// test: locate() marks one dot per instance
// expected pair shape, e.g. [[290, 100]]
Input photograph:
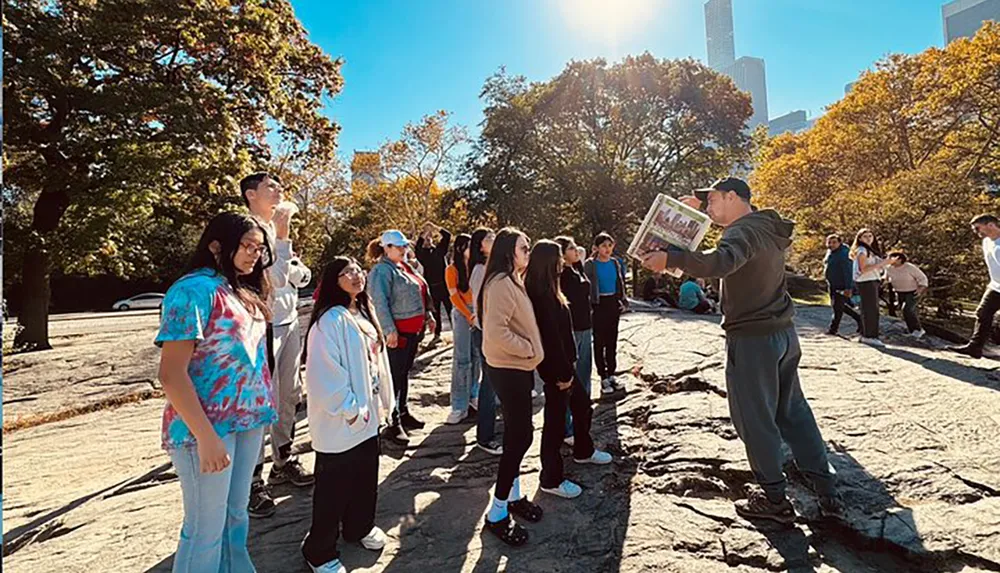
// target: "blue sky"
[[404, 59]]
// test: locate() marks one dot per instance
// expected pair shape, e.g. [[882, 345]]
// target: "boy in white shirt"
[[988, 229]]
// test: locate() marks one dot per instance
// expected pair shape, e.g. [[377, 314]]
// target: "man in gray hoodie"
[[762, 348]]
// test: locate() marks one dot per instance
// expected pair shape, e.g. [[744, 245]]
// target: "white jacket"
[[286, 298], [339, 384]]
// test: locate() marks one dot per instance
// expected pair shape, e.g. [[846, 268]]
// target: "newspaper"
[[669, 222]]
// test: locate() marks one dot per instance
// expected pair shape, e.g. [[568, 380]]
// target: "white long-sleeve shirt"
[[906, 277], [343, 348], [991, 252]]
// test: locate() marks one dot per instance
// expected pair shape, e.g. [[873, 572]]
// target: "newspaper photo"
[[669, 222]]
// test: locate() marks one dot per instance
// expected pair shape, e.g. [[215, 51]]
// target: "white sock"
[[498, 510], [515, 490]]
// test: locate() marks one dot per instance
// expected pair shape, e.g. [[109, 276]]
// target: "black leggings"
[[554, 430], [440, 297], [513, 387], [869, 308], [606, 317]]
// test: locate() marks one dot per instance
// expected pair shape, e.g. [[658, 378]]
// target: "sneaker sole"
[[560, 493], [373, 546], [592, 462], [498, 452]]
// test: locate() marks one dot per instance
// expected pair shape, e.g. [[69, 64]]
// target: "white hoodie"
[[286, 298], [339, 383]]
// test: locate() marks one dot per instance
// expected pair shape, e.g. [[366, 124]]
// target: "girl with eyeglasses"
[[512, 345], [213, 368], [350, 393]]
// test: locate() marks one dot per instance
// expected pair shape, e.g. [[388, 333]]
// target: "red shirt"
[[413, 325]]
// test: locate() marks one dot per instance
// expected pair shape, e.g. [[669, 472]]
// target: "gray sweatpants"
[[767, 406], [287, 389]]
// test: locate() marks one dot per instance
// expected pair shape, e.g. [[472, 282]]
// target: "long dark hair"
[[873, 249], [500, 263], [331, 295], [476, 256], [542, 277], [458, 259], [227, 230]]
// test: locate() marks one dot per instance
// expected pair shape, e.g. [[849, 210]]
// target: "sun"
[[607, 21]]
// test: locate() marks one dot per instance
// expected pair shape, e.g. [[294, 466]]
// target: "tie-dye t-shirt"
[[229, 363]]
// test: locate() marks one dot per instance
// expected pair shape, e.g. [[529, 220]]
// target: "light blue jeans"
[[584, 366], [465, 371], [216, 523]]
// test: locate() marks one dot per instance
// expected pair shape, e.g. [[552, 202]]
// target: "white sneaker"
[[616, 384], [455, 417], [375, 540], [566, 489], [334, 566], [597, 458], [917, 334], [873, 342], [607, 387], [569, 441], [534, 393]]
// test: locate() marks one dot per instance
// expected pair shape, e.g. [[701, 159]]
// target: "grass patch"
[[112, 402]]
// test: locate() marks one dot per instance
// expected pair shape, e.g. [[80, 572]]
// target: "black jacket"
[[839, 269], [556, 328], [576, 286], [434, 258]]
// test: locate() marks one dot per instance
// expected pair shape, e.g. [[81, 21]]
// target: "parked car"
[[145, 300]]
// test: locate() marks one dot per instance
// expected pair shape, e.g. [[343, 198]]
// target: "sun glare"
[[607, 21]]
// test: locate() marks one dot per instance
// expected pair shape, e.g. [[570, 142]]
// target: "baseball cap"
[[733, 184], [394, 238]]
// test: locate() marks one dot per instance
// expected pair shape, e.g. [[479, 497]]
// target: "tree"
[[126, 121], [908, 153], [589, 150]]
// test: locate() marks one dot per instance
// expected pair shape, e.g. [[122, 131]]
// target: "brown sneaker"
[[758, 506]]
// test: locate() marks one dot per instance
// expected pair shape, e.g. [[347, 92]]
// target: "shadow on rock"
[[983, 377]]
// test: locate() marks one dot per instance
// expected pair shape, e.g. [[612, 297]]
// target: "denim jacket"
[[394, 295]]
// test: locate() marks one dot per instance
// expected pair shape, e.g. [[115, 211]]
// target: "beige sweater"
[[906, 277], [510, 334]]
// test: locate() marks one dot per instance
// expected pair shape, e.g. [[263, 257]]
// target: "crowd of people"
[[231, 353]]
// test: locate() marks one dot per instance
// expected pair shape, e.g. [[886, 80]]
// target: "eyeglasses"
[[351, 271], [253, 249]]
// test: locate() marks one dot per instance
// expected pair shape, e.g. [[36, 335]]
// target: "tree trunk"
[[34, 315]]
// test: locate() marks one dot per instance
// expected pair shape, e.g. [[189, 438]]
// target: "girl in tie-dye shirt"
[[213, 368]]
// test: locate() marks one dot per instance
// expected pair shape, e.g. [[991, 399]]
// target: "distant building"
[[719, 34], [963, 18], [748, 75], [794, 122]]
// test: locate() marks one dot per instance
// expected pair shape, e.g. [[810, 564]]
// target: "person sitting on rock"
[[350, 393], [765, 397], [558, 371], [692, 297], [655, 290]]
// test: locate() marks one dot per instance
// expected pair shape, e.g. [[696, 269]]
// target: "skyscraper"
[[719, 34], [748, 75], [962, 18], [794, 122]]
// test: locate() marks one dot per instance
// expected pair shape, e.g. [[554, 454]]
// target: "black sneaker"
[[292, 472], [410, 423], [968, 350], [758, 506], [261, 503], [397, 435], [491, 447]]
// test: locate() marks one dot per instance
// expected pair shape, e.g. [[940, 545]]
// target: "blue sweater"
[[838, 269]]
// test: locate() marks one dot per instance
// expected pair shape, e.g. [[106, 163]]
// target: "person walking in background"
[[262, 194], [350, 393], [839, 272], [433, 257], [692, 297], [558, 372], [607, 291], [213, 368], [765, 396], [479, 252], [464, 370], [868, 267], [909, 282], [987, 227], [402, 301], [513, 348], [575, 286]]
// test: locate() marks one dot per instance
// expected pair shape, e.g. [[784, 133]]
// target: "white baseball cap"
[[394, 238]]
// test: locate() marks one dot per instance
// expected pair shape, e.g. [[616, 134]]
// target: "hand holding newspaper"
[[669, 222]]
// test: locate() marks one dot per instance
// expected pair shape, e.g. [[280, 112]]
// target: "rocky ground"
[[912, 433]]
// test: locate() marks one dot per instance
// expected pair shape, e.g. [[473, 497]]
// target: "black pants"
[[841, 306], [988, 307], [400, 361], [606, 316], [554, 430], [909, 300], [869, 308], [440, 296], [513, 387], [345, 495], [703, 307]]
